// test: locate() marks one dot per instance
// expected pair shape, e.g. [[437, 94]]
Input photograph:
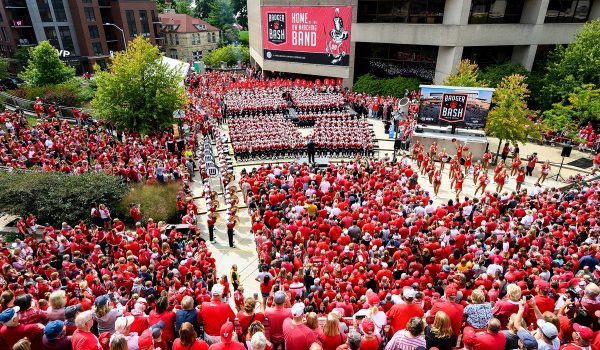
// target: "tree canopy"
[[3, 68], [492, 75], [229, 54], [240, 11], [184, 7], [202, 9], [582, 106], [45, 67], [138, 91], [573, 66], [466, 75], [222, 16], [508, 118]]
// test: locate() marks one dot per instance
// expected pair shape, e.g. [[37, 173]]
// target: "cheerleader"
[[425, 164], [420, 157], [483, 182], [433, 149], [476, 170], [460, 179], [515, 166], [520, 178], [545, 171], [500, 179], [487, 156], [468, 161], [415, 150], [443, 158], [437, 181], [430, 172]]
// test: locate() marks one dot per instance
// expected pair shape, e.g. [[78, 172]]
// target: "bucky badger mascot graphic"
[[338, 34]]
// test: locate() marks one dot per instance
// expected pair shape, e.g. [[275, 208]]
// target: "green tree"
[[184, 7], [582, 106], [22, 56], [229, 54], [138, 91], [371, 85], [45, 67], [202, 9], [240, 10], [466, 75], [573, 66], [507, 120], [492, 75], [221, 14]]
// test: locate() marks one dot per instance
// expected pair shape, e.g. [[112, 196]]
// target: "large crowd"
[[352, 256]]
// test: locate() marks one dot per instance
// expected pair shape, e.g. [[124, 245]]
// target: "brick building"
[[187, 38]]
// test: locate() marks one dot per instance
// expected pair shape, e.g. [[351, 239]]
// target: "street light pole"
[[122, 32]]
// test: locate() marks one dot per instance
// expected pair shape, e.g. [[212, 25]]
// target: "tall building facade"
[[426, 38], [84, 31]]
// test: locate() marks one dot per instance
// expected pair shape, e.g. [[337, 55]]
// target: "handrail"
[[27, 105]]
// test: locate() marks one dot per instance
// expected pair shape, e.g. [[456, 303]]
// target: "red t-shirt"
[[297, 336], [276, 317], [215, 314], [11, 335], [399, 315], [197, 345], [369, 344], [332, 342], [486, 340], [229, 346], [453, 310], [85, 341]]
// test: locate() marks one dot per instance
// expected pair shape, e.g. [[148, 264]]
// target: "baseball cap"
[[123, 322], [54, 329], [528, 340], [145, 341], [72, 310], [157, 329], [409, 293], [367, 325], [9, 314], [298, 309], [548, 329], [450, 290], [101, 300], [226, 332], [584, 332], [279, 297]]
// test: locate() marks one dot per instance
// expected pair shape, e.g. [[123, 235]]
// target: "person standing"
[[296, 334], [11, 331], [83, 339], [276, 316], [215, 314], [235, 277], [230, 227], [310, 149], [211, 221], [531, 160], [401, 313]]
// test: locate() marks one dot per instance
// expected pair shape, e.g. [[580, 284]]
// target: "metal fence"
[[27, 105]]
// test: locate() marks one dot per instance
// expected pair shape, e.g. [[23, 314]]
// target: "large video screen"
[[467, 107], [307, 34]]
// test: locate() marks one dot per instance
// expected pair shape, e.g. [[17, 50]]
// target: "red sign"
[[18, 23], [453, 107], [307, 34]]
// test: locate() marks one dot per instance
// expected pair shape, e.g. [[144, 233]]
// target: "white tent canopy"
[[182, 67]]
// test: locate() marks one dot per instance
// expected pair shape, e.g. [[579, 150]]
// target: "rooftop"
[[182, 23]]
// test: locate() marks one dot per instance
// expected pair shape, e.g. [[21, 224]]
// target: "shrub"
[[229, 54], [492, 75], [156, 202], [371, 85], [244, 37], [56, 197], [72, 93]]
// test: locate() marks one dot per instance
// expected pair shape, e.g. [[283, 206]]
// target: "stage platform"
[[475, 139]]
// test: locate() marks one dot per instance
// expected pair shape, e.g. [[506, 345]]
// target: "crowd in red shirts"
[[359, 242]]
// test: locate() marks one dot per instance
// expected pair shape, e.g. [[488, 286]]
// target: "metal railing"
[[64, 112]]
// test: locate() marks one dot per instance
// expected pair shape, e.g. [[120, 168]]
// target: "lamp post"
[[122, 32]]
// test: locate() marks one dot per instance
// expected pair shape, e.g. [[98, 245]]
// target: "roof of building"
[[182, 23]]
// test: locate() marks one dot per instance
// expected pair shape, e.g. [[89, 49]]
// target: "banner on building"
[[465, 107], [307, 34]]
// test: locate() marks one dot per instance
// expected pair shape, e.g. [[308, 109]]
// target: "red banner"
[[307, 34]]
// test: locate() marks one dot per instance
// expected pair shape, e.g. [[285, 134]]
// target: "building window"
[[59, 11], [90, 16], [51, 36], [97, 49], [44, 9], [4, 34], [495, 11], [401, 11], [94, 34], [1, 18], [131, 23], [66, 38], [144, 22], [87, 1], [214, 37], [488, 55], [176, 39], [568, 11]]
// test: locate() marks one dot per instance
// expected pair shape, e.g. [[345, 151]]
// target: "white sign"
[[63, 53], [212, 171]]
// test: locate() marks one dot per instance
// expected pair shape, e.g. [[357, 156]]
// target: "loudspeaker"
[[566, 151], [397, 144]]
